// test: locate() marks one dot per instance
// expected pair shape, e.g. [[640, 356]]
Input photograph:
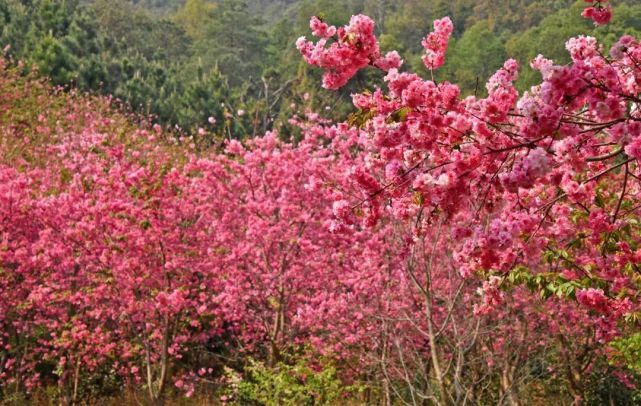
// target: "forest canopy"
[[184, 61]]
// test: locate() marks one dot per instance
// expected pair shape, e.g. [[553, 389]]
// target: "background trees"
[[155, 55]]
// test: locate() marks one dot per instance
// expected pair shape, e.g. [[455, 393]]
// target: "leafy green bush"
[[283, 384]]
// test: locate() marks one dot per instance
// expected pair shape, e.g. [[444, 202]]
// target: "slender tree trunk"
[[150, 378], [76, 381], [156, 387], [436, 364], [164, 360], [575, 386], [386, 385], [507, 386]]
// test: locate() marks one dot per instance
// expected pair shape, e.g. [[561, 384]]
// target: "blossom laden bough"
[[548, 165], [600, 11]]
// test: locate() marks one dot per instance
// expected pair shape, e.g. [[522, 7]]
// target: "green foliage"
[[54, 60], [233, 42], [547, 284], [283, 384], [628, 350], [475, 57], [547, 38], [192, 18]]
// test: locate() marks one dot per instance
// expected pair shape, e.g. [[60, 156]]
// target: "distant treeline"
[[185, 61]]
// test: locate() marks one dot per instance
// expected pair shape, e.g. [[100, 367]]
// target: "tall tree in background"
[[475, 57], [233, 42], [193, 17]]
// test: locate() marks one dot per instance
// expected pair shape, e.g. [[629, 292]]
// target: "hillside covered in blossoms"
[[348, 219]]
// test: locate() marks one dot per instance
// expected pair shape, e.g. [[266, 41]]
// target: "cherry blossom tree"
[[535, 189], [514, 177]]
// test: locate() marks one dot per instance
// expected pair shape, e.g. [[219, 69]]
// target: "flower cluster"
[[599, 11], [435, 43], [354, 48], [593, 299], [527, 170]]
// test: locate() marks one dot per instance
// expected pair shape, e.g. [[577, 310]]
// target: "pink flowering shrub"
[[126, 257]]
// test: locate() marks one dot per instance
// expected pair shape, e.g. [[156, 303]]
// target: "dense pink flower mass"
[[134, 258]]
